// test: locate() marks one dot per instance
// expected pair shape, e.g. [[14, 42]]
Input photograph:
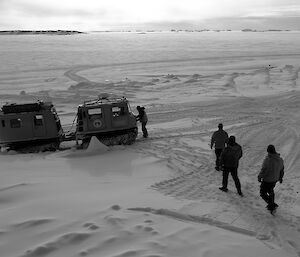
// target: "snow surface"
[[158, 197]]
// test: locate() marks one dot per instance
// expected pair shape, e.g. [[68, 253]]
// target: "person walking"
[[219, 139], [229, 161], [142, 117], [271, 172]]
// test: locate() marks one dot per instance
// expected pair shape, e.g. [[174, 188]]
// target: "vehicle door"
[[96, 119], [119, 116], [39, 128]]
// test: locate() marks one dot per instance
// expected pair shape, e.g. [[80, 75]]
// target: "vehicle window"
[[15, 123], [38, 120], [3, 123], [53, 110], [96, 111], [118, 111]]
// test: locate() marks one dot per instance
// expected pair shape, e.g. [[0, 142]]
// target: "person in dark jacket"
[[272, 171], [142, 117], [229, 161], [219, 139]]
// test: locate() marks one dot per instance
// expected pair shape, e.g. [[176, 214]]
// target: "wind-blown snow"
[[158, 197]]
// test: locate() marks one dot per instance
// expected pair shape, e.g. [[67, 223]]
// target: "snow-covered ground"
[[159, 197]]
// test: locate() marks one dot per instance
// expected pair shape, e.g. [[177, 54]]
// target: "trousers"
[[145, 131], [218, 154], [233, 172], [267, 192]]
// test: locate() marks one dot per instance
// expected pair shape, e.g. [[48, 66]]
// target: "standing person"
[[272, 171], [218, 139], [229, 161], [142, 117]]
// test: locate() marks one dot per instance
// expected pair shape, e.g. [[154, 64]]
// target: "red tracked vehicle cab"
[[109, 119]]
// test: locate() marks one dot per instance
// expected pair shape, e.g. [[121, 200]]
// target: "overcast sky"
[[112, 14]]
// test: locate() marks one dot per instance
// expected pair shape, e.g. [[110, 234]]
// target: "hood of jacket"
[[234, 147], [275, 156]]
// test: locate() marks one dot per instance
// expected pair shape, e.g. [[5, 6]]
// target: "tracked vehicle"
[[35, 127], [109, 119], [30, 127]]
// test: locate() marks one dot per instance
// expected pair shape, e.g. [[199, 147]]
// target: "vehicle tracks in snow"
[[188, 155]]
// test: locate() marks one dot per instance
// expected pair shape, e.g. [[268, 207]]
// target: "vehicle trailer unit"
[[30, 127]]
